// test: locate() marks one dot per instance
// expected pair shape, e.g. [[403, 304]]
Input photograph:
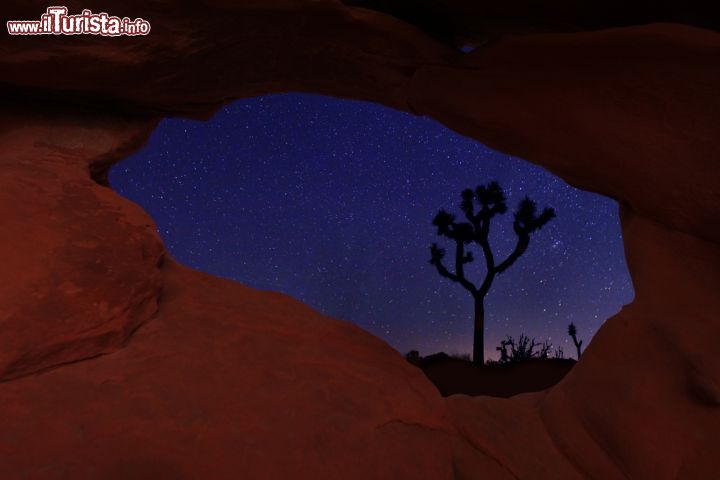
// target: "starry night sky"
[[331, 201]]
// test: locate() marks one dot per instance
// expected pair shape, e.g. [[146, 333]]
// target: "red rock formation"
[[117, 365], [199, 57], [628, 113], [80, 264]]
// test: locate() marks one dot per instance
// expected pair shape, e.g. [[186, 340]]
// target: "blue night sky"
[[331, 201]]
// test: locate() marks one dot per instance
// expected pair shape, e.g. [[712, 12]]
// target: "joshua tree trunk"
[[479, 336]]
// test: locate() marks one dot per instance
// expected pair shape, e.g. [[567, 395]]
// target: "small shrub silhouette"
[[523, 349], [491, 202]]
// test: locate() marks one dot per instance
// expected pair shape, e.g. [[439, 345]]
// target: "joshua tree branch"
[[460, 268], [445, 272], [520, 247], [442, 270], [484, 242], [459, 259]]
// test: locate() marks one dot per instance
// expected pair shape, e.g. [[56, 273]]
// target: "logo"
[[56, 21]]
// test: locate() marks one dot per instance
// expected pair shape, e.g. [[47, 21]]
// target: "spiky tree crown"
[[446, 226], [436, 254], [491, 198], [491, 201], [443, 221], [572, 330], [527, 220]]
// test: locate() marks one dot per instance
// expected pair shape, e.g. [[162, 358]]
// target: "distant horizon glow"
[[331, 201]]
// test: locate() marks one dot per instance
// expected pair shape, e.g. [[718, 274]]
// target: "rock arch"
[[216, 383]]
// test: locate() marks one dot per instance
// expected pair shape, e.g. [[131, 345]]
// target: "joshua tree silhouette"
[[491, 201], [572, 331]]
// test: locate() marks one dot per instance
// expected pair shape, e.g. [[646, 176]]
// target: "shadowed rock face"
[[205, 378], [80, 268], [476, 21], [197, 58]]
